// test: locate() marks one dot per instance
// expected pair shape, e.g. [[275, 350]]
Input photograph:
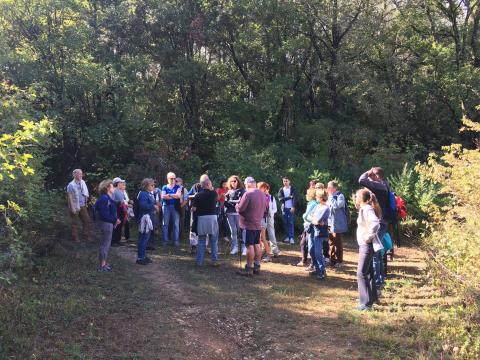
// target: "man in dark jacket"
[[287, 196]]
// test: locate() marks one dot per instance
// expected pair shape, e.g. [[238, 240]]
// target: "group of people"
[[242, 213]]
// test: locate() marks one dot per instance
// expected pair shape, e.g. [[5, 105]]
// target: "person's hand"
[[117, 222]]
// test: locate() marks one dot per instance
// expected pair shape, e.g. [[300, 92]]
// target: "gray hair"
[[203, 178], [76, 171], [205, 182]]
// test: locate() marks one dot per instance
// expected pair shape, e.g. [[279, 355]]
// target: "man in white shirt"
[[77, 192], [287, 196]]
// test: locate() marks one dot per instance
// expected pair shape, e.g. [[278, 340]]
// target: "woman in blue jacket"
[[146, 210], [106, 216]]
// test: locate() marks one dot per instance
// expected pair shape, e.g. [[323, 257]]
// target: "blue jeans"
[[202, 246], [142, 245], [311, 246], [288, 221], [170, 215], [319, 261], [378, 265], [367, 291]]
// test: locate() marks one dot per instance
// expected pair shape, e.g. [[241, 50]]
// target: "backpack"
[[348, 215], [401, 208], [390, 213], [136, 206]]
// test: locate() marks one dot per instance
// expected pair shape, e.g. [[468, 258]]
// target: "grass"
[[174, 310]]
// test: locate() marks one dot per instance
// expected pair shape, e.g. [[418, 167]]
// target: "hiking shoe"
[[108, 266], [256, 269], [248, 271], [142, 262], [234, 250], [321, 277], [244, 251], [105, 269], [292, 241]]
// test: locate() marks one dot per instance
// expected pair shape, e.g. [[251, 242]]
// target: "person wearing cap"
[[118, 197], [78, 195], [183, 206], [251, 209], [171, 197]]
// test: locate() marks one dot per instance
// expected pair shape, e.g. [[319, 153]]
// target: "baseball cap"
[[118, 180]]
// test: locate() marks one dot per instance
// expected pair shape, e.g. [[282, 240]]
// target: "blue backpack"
[[390, 213]]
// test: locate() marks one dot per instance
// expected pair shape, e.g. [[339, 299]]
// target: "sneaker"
[[292, 241], [244, 251], [321, 277], [142, 262], [105, 269], [276, 255], [310, 268], [248, 271], [364, 308], [234, 251], [301, 263], [226, 239], [108, 266], [286, 240], [267, 259]]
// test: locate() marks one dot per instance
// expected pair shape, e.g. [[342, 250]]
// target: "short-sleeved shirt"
[[169, 191], [76, 187]]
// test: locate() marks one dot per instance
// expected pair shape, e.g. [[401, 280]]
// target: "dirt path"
[[281, 314]]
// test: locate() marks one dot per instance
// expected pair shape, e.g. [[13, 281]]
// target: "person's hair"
[[262, 185], [223, 181], [239, 182], [379, 172], [285, 177], [74, 172], [332, 184], [310, 194], [368, 197], [171, 174], [319, 185], [145, 182], [204, 183], [322, 194], [103, 186], [376, 206], [203, 177]]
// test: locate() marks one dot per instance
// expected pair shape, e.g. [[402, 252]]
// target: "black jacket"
[[293, 196]]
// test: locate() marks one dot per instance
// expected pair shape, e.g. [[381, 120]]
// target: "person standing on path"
[[232, 198], [106, 220], [272, 209], [78, 195], [319, 219], [171, 197], [251, 209], [118, 197], [337, 222], [287, 196], [183, 206], [368, 224], [146, 209], [204, 205]]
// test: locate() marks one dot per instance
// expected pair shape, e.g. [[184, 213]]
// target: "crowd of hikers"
[[242, 214]]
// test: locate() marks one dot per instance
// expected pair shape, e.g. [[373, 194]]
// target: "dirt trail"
[[281, 314]]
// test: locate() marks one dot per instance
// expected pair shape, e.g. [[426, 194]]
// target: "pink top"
[[251, 208]]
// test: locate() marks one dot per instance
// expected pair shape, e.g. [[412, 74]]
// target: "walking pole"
[[240, 249]]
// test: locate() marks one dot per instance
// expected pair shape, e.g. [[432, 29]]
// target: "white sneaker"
[[286, 240], [234, 251], [292, 241], [244, 251]]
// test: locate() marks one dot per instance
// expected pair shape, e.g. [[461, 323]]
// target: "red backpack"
[[401, 208]]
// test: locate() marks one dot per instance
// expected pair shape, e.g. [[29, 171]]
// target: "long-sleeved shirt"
[[105, 209], [251, 209], [146, 204], [319, 217], [368, 225], [291, 197], [379, 188], [337, 220], [310, 206]]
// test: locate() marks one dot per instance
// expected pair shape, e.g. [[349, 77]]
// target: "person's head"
[[319, 185], [147, 184], [203, 177], [321, 195], [179, 181], [206, 183], [377, 174], [105, 187], [362, 197], [234, 183], [119, 183], [250, 183], [263, 186], [310, 194], [77, 174], [332, 187], [223, 184], [311, 184], [286, 181], [171, 178]]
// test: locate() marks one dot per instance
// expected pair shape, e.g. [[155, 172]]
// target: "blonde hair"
[[239, 182], [103, 186], [322, 194], [319, 185], [310, 194], [171, 174]]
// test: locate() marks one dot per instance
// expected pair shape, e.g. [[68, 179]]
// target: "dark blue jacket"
[[146, 204], [105, 209]]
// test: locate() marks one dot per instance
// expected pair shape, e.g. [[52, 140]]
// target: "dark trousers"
[[367, 291], [126, 228], [117, 231], [336, 248], [304, 246]]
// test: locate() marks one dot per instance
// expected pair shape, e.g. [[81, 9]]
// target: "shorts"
[[251, 237]]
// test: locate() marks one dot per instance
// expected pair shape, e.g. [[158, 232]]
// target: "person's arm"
[[318, 217], [281, 196], [365, 180], [143, 202], [337, 201], [373, 224], [71, 202], [274, 206], [104, 211], [242, 205], [293, 196]]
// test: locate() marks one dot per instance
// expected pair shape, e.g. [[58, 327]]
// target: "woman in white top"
[[368, 222]]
